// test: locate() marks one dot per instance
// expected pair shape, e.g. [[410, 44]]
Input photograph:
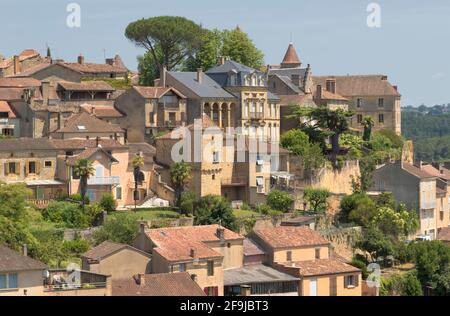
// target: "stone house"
[[151, 110], [33, 162], [205, 252], [120, 261], [303, 253], [419, 190], [20, 63]]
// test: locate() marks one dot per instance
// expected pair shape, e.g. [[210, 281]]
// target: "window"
[[69, 153], [48, 164], [381, 103], [359, 118], [11, 169], [331, 86], [182, 267], [289, 256], [216, 157], [210, 267], [32, 167], [350, 281], [317, 253], [260, 184], [8, 281], [213, 177], [381, 118], [359, 103], [118, 193]]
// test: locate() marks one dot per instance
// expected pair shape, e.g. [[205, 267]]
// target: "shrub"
[[213, 209], [317, 199], [77, 198], [187, 202], [108, 203], [280, 201], [70, 215], [361, 265], [264, 209], [122, 228]]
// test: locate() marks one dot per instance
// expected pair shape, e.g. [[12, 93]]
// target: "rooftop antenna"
[[291, 38]]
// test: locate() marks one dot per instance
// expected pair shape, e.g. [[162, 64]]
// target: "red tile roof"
[[206, 123], [74, 144], [86, 123], [86, 86], [107, 248], [175, 244], [24, 55], [11, 82], [11, 94], [416, 171], [290, 237], [86, 154], [5, 107], [443, 173], [360, 85], [156, 92], [102, 110], [166, 284], [322, 267], [90, 68]]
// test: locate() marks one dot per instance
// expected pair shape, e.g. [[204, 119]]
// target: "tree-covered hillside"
[[430, 131]]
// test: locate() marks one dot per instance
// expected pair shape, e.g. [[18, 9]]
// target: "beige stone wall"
[[121, 265], [232, 251], [29, 281], [443, 210], [323, 286], [300, 254]]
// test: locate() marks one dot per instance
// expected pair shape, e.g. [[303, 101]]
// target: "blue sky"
[[411, 47]]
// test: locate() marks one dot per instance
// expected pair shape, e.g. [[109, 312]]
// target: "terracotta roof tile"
[[415, 171], [74, 144], [11, 94], [359, 85], [107, 248], [444, 173], [6, 107], [86, 154], [251, 248], [175, 244], [16, 144], [86, 86], [102, 110], [290, 237], [323, 267], [12, 261], [156, 92], [11, 82], [86, 123], [90, 68], [166, 284]]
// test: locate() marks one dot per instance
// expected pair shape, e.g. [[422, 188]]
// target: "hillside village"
[[295, 185]]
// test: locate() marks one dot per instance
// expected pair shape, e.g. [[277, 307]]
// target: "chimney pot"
[[193, 253]]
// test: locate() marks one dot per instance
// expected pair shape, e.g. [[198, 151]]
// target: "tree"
[[280, 201], [13, 200], [238, 46], [368, 124], [83, 168], [395, 223], [209, 53], [335, 122], [177, 37], [359, 208], [180, 175], [317, 199], [375, 243], [188, 202], [148, 72], [68, 215], [215, 210], [137, 162], [122, 228], [401, 285], [108, 203], [299, 144]]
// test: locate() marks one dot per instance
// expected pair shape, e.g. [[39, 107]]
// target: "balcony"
[[235, 181], [104, 181], [256, 115], [76, 283]]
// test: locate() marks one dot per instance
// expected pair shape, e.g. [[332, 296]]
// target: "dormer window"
[[233, 81]]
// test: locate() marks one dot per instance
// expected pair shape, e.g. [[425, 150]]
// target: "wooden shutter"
[[27, 168], [357, 280], [345, 282], [17, 168], [38, 167]]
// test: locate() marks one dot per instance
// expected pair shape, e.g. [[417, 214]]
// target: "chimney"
[[295, 80], [16, 65], [109, 61], [395, 87], [220, 233], [25, 250], [139, 279], [97, 141], [193, 253], [319, 93], [307, 80], [162, 76], [142, 226], [221, 60], [246, 290], [200, 75], [81, 59], [45, 90]]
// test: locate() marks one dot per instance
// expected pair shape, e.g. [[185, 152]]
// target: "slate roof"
[[255, 274], [107, 248], [290, 237], [288, 72], [208, 88], [18, 144], [230, 65], [287, 81], [91, 125], [359, 85], [12, 261], [175, 243], [166, 284]]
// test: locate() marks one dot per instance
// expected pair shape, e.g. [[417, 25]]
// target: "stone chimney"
[[97, 141], [221, 60], [16, 65], [295, 80], [142, 227], [162, 76], [193, 253], [81, 59], [200, 75], [220, 233], [307, 81], [246, 290], [25, 250]]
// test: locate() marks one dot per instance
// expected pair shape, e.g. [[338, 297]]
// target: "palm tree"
[[368, 124], [138, 162], [83, 168], [180, 175]]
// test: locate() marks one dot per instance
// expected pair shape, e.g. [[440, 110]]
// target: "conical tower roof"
[[291, 59]]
